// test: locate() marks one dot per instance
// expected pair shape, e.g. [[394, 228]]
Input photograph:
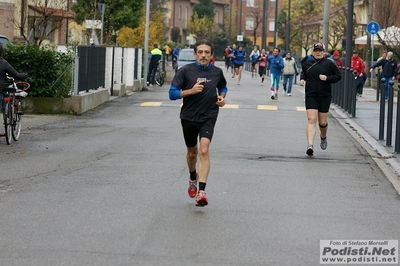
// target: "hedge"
[[51, 70]]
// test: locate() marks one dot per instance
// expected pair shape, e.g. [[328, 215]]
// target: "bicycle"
[[12, 112], [159, 76]]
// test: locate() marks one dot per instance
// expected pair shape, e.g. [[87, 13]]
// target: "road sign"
[[373, 27], [239, 38]]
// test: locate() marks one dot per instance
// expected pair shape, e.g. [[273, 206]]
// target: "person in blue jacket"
[[175, 54], [239, 56], [275, 64]]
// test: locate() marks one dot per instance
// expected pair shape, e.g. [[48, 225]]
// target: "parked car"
[[4, 41], [186, 56]]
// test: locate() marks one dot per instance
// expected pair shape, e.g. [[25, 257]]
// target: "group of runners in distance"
[[235, 58]]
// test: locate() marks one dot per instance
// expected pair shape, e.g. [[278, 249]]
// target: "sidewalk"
[[365, 128]]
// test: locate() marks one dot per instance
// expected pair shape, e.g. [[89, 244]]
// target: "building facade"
[[29, 19]]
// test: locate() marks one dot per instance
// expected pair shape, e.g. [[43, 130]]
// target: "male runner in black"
[[203, 89]]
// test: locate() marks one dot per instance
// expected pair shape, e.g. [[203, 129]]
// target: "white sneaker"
[[289, 94], [272, 96], [284, 92]]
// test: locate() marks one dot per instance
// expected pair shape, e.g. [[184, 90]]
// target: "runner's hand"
[[198, 87], [322, 77], [221, 101]]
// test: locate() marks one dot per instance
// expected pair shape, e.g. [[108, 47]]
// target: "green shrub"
[[51, 70]]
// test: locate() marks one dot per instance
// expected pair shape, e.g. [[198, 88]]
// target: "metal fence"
[[344, 92], [90, 65]]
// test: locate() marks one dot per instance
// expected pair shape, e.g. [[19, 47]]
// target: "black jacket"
[[6, 68], [389, 67], [312, 68]]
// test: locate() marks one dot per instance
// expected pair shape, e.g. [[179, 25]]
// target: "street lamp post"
[[102, 9], [240, 17]]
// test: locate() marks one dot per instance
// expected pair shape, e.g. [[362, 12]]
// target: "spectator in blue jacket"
[[276, 65]]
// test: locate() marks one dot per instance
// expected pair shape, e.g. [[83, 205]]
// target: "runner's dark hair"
[[206, 42]]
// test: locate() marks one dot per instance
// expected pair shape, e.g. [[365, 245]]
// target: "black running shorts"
[[193, 130], [322, 104]]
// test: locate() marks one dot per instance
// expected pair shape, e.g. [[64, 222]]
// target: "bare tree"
[[337, 26], [309, 36], [257, 22], [387, 14]]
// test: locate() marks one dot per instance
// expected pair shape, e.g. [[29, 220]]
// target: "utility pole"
[[230, 23], [288, 29], [66, 24], [325, 32], [146, 45], [276, 23], [349, 33], [240, 17], [264, 28]]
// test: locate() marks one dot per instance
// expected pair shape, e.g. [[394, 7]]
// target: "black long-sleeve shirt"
[[312, 68], [389, 67], [6, 68]]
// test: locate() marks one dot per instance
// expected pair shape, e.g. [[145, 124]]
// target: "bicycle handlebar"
[[27, 84]]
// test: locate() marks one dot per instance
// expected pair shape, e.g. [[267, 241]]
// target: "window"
[[249, 23], [216, 17], [250, 3], [271, 25]]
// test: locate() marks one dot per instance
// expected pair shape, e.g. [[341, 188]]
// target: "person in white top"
[[254, 61]]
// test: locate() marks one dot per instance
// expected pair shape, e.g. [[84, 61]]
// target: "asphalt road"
[[110, 187]]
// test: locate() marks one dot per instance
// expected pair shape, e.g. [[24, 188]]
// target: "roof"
[[52, 12]]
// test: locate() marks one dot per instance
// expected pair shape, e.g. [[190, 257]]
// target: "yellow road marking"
[[301, 108], [231, 106], [151, 104], [267, 107]]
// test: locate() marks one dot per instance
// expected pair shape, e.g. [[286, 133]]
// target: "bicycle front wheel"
[[8, 122], [17, 116]]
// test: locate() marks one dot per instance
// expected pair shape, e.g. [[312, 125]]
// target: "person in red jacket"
[[336, 57], [358, 65]]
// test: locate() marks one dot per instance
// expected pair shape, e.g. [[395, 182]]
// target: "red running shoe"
[[192, 190], [201, 199]]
